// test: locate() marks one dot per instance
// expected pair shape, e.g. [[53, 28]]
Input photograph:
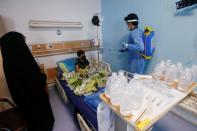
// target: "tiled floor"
[[63, 113]]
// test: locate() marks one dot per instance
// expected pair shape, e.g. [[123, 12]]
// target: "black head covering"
[[131, 16], [18, 62], [26, 83]]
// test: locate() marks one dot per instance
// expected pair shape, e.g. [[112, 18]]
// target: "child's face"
[[82, 57]]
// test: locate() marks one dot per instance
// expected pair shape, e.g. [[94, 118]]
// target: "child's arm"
[[77, 68]]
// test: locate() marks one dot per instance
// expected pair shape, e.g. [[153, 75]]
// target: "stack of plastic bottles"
[[170, 73], [110, 79], [129, 96], [115, 87], [132, 98]]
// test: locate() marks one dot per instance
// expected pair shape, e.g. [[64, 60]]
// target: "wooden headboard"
[[39, 50]]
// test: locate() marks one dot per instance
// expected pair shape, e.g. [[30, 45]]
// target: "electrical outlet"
[[49, 46], [38, 47]]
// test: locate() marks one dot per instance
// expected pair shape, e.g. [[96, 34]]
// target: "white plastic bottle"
[[110, 80], [132, 98], [179, 67], [194, 73], [171, 73], [137, 95], [117, 89], [158, 72], [124, 108], [123, 79], [185, 80]]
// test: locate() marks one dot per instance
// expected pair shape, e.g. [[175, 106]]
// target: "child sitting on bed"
[[82, 64]]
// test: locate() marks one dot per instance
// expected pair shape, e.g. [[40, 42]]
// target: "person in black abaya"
[[26, 83]]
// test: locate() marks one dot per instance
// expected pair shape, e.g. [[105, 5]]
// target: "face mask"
[[83, 57], [128, 29]]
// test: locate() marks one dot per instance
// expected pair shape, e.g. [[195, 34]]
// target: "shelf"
[[41, 50], [59, 52], [54, 24]]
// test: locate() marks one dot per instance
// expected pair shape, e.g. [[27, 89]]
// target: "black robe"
[[26, 83]]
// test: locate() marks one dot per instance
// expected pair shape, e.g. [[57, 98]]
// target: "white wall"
[[17, 13], [2, 30], [3, 84]]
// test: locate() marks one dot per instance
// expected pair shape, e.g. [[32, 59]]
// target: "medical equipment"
[[149, 47], [97, 21]]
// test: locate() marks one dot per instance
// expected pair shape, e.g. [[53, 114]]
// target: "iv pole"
[[98, 40], [96, 22]]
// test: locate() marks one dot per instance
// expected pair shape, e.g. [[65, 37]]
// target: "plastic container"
[[194, 73], [132, 98], [124, 108], [117, 89], [158, 72], [138, 94], [110, 80], [179, 67], [185, 80], [171, 73]]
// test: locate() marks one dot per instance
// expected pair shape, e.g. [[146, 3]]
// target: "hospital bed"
[[77, 101], [86, 112]]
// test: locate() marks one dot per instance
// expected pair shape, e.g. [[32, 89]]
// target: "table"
[[145, 125]]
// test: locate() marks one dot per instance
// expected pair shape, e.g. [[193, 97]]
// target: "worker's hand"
[[125, 44], [122, 50]]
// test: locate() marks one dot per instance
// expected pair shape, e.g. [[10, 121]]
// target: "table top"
[[146, 124]]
